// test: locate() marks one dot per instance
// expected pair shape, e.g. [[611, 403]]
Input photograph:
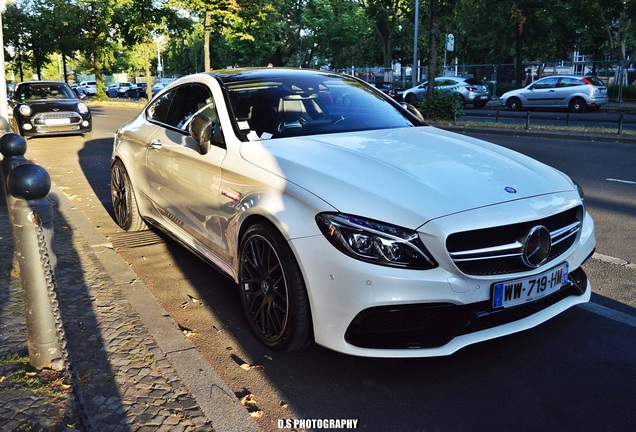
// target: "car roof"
[[564, 76], [42, 82], [228, 76]]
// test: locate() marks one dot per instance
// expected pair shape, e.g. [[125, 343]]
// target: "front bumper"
[[375, 311], [74, 124], [435, 325]]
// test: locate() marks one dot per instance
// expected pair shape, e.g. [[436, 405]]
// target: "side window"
[[176, 107], [188, 100], [546, 83], [569, 82], [158, 111]]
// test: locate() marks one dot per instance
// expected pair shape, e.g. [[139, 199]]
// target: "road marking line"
[[621, 181], [610, 313]]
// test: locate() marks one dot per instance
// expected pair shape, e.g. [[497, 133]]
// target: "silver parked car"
[[471, 90], [89, 88], [574, 92]]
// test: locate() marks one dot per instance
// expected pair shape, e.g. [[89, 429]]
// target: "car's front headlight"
[[375, 242], [82, 108], [25, 110]]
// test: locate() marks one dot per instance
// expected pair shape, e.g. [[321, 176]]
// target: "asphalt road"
[[575, 372]]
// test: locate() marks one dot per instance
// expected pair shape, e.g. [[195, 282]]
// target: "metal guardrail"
[[619, 121]]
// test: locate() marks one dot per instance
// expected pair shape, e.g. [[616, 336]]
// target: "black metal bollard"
[[31, 216], [13, 148]]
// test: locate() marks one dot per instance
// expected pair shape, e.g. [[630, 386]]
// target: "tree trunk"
[[147, 65], [206, 42], [518, 56]]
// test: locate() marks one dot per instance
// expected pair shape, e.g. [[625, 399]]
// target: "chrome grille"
[[45, 122], [498, 250], [42, 117]]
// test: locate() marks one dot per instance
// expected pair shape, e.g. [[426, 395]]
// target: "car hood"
[[50, 105], [405, 176]]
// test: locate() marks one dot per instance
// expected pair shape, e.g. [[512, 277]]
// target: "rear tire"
[[273, 291], [124, 202], [578, 105]]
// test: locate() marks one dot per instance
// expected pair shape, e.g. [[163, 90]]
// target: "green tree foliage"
[[386, 17], [96, 40], [337, 33], [16, 30], [112, 36]]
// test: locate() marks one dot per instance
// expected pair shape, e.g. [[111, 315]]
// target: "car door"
[[565, 89], [445, 86], [542, 93], [184, 184]]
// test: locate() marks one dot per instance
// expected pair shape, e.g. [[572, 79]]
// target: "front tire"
[[272, 290], [124, 202], [513, 104]]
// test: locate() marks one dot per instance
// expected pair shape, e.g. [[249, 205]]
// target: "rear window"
[[474, 81], [590, 79]]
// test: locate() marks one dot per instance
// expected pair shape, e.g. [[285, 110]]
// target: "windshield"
[[33, 92], [309, 105]]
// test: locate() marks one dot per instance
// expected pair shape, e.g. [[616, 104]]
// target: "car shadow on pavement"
[[95, 164], [83, 294]]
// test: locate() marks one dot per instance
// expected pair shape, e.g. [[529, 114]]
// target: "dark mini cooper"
[[48, 108]]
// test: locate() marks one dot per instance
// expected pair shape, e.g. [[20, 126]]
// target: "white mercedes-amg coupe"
[[345, 219]]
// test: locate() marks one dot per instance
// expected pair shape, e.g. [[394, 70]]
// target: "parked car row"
[[140, 91], [573, 92]]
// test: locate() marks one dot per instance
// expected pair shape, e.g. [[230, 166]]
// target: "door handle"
[[155, 144]]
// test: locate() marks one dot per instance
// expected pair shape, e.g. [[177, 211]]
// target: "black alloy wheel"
[[124, 202], [272, 290], [513, 104], [578, 105]]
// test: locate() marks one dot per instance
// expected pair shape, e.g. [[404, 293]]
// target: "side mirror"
[[205, 132], [413, 110]]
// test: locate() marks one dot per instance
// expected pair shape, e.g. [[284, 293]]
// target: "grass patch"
[[521, 127], [18, 372]]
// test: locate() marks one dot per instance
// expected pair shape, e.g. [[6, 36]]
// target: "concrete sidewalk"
[[131, 368]]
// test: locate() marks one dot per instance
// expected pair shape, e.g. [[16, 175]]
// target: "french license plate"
[[519, 291], [57, 121]]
